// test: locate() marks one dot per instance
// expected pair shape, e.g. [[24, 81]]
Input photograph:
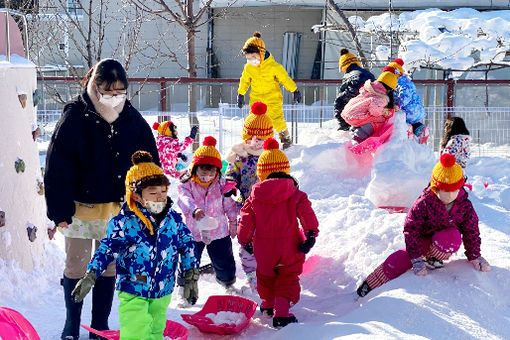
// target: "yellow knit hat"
[[346, 60], [142, 171], [256, 41], [397, 65], [447, 175], [258, 123], [164, 128], [388, 77], [207, 154], [272, 160]]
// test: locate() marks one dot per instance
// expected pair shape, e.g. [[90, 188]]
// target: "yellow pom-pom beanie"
[[256, 41], [164, 128], [346, 60], [258, 123], [388, 77], [447, 175], [272, 160], [207, 154]]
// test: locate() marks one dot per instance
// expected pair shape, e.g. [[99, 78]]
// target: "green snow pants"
[[142, 318]]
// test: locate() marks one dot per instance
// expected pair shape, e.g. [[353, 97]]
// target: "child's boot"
[[285, 139], [267, 308], [364, 289], [282, 317]]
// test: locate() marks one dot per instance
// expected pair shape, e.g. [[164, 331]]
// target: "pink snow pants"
[[441, 246]]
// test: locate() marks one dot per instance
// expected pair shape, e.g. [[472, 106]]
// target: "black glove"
[[297, 96], [191, 277], [306, 245], [182, 156], [193, 132], [248, 247], [240, 101]]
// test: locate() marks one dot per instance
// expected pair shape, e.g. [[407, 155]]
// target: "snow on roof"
[[16, 61]]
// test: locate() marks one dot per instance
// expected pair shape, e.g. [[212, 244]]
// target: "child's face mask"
[[154, 198], [447, 197], [254, 62], [255, 143], [206, 173], [206, 179], [155, 207]]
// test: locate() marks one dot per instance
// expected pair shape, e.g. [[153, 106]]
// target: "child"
[[456, 140], [369, 110], [409, 102], [169, 147], [242, 169], [145, 239], [439, 220], [265, 75], [202, 200], [269, 226]]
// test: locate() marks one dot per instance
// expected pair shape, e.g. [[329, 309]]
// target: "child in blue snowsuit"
[[146, 240], [409, 102]]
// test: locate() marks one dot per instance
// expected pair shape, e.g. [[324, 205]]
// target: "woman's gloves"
[[83, 286], [307, 244], [191, 277], [481, 264]]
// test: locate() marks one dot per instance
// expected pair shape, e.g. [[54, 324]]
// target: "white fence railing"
[[489, 127]]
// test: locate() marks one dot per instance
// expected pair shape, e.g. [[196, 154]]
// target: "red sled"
[[218, 303], [173, 330], [14, 326]]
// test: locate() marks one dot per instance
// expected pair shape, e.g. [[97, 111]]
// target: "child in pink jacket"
[[369, 110], [269, 226], [438, 222], [169, 146], [209, 215]]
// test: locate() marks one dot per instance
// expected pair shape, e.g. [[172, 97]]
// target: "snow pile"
[[227, 317], [401, 168], [457, 39]]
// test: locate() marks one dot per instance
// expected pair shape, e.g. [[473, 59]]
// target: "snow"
[[226, 317], [457, 39], [355, 236], [15, 61]]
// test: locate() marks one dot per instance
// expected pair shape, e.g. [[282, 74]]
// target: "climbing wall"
[[23, 221]]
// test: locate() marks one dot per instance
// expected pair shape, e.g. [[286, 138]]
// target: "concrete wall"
[[19, 198], [231, 32]]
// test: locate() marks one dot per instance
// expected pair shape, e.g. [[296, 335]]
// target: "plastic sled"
[[14, 326], [394, 210], [372, 143], [173, 330], [217, 303]]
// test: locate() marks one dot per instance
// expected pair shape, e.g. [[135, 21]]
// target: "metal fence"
[[489, 127]]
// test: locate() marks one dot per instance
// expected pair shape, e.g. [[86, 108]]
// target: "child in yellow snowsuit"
[[265, 75]]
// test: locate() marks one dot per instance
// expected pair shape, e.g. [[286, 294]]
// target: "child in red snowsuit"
[[170, 148], [269, 224]]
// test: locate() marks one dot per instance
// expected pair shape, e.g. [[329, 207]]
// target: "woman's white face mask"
[[254, 62], [111, 100]]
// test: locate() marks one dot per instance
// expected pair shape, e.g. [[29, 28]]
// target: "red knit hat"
[[164, 128], [447, 175], [207, 154]]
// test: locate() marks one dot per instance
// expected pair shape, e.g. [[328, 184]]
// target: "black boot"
[[73, 311], [102, 297], [282, 321], [364, 289]]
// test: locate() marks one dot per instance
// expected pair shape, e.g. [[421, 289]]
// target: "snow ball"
[[223, 317]]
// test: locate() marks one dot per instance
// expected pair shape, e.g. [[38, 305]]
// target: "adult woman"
[[88, 157]]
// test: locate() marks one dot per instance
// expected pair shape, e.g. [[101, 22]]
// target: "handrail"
[[7, 12]]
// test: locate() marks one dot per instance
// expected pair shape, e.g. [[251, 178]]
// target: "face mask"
[[112, 101], [155, 207], [205, 179], [254, 62], [256, 144]]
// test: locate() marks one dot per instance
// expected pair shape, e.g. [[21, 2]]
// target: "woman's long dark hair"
[[107, 72], [453, 126]]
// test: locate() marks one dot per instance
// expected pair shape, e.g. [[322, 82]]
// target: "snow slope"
[[454, 302]]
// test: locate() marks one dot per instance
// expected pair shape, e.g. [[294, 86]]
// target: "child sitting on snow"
[[456, 140], [169, 146], [439, 220], [146, 239], [371, 108], [211, 217], [409, 102], [269, 226], [242, 170]]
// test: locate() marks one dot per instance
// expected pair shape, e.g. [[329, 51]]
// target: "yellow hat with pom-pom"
[[257, 42], [257, 124], [397, 64], [207, 154], [272, 160], [164, 128], [447, 175], [388, 77], [346, 60]]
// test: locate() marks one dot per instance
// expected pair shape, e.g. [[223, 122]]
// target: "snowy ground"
[[454, 302]]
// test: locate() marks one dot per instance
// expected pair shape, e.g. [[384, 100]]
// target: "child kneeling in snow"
[[439, 220], [146, 240], [269, 226], [170, 148], [371, 108], [242, 170]]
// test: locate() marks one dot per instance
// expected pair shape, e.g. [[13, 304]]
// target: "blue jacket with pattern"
[[407, 98], [146, 264]]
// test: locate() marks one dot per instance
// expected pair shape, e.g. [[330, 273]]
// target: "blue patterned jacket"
[[407, 98], [146, 264]]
